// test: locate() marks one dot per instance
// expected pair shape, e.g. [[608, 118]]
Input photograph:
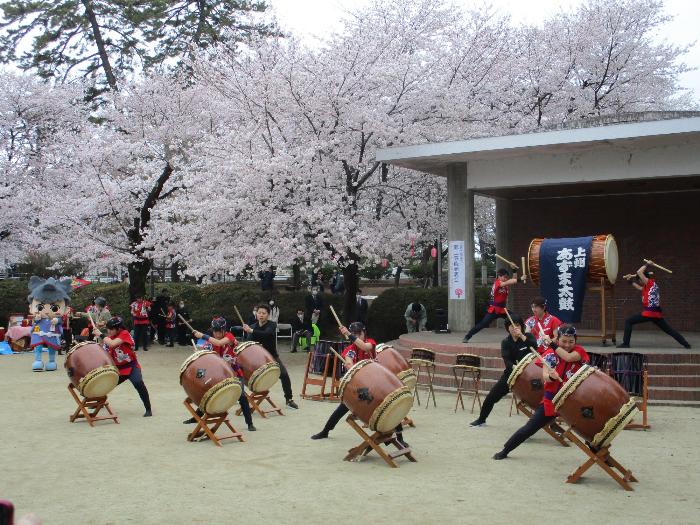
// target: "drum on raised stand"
[[375, 395], [260, 370], [392, 359], [91, 369], [525, 381], [321, 353], [603, 263], [210, 382], [595, 405], [424, 355], [468, 360]]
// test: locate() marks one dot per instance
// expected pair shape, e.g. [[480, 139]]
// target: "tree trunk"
[[296, 276], [138, 275], [101, 48], [351, 278]]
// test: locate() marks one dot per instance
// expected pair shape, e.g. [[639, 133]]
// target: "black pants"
[[529, 429], [484, 323], [137, 380], [141, 336], [338, 414], [68, 338], [661, 323], [497, 392], [161, 331], [245, 408], [295, 339], [284, 379], [182, 335], [170, 334]]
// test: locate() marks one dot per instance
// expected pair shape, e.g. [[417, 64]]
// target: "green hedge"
[[203, 302], [385, 317], [385, 320]]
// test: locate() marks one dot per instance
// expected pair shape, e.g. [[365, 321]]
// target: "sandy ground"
[[144, 471]]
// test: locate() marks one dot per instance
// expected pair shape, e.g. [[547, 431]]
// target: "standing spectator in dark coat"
[[361, 306], [160, 311], [267, 279], [313, 304], [182, 330]]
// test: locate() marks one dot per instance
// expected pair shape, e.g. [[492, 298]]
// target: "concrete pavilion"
[[636, 176]]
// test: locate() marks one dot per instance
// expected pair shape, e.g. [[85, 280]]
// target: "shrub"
[[385, 320]]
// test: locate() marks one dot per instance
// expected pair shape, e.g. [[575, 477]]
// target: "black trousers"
[[160, 324], [338, 414], [141, 336], [182, 335], [68, 337], [529, 429], [245, 408], [284, 379], [497, 392], [661, 323], [485, 322], [137, 380]]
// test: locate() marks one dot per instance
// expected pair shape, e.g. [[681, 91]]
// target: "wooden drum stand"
[[375, 442], [208, 424], [89, 407]]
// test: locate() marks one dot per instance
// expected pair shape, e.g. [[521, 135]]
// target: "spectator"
[[313, 304], [338, 283], [361, 306], [171, 324], [182, 330], [317, 280], [161, 314], [274, 312], [416, 317], [254, 317], [267, 278], [299, 328]]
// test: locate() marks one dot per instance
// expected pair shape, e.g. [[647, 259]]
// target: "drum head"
[[408, 378], [612, 260], [99, 382], [391, 412], [264, 377], [222, 396]]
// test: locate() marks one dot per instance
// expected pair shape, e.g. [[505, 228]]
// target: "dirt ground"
[[144, 471]]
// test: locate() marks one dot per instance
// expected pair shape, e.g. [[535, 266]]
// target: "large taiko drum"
[[595, 405], [260, 370], [210, 382], [525, 381], [603, 263], [91, 369], [390, 358], [375, 395]]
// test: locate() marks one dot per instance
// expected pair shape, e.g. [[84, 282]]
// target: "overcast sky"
[[314, 18]]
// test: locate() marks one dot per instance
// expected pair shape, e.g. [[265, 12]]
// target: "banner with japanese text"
[[457, 271], [563, 269]]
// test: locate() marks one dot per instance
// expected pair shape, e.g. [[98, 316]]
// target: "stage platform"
[[674, 372]]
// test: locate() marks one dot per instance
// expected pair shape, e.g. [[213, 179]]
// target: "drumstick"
[[342, 359], [239, 315], [188, 325], [524, 275], [340, 325], [94, 324], [629, 276], [648, 261], [195, 345], [545, 363], [511, 263]]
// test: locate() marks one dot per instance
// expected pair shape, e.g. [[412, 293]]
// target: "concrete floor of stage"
[[643, 341], [143, 471]]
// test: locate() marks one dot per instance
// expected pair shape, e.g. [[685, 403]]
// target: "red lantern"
[[385, 263], [413, 247], [433, 252]]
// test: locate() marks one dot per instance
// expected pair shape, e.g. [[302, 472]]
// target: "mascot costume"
[[48, 299]]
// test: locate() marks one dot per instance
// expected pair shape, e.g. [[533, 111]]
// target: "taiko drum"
[[260, 370], [391, 359], [210, 382], [91, 369], [525, 381]]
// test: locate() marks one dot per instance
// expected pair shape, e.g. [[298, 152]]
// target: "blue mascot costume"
[[48, 299]]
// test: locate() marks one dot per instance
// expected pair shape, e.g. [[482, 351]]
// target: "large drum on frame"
[[375, 395], [525, 381], [91, 369], [603, 263], [595, 405], [210, 382], [390, 358], [260, 370]]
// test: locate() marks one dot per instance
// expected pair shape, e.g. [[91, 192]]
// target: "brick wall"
[[663, 227]]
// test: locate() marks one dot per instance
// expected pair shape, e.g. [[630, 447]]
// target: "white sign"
[[457, 282]]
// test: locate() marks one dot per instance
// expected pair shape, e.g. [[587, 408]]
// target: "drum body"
[[595, 405], [468, 360], [525, 381], [260, 370], [392, 360], [91, 369], [375, 395], [603, 263], [209, 382]]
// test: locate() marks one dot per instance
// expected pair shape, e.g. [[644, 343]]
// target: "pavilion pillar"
[[460, 207]]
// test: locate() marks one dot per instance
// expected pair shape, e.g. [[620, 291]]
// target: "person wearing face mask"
[[360, 308], [182, 331], [313, 304], [299, 328], [274, 311]]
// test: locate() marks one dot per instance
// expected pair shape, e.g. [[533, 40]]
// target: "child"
[[497, 302], [120, 346], [564, 362], [224, 344]]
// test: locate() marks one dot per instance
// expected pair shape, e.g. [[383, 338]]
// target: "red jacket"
[[565, 370], [123, 355], [356, 354]]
